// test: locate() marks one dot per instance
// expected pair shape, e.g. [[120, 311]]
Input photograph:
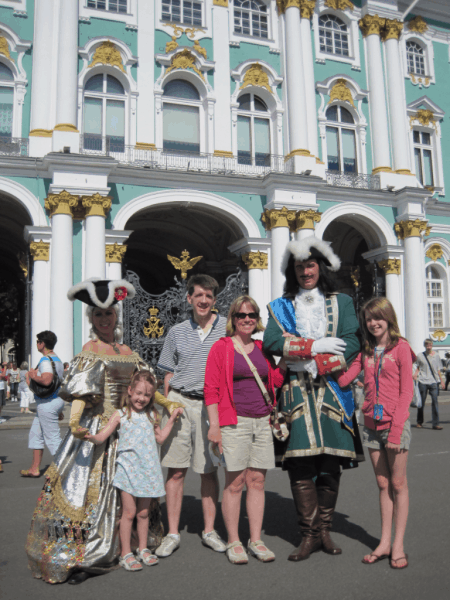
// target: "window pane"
[[92, 116], [430, 324], [331, 114], [426, 139], [243, 134], [94, 84], [113, 86], [244, 102], [115, 118], [349, 150], [416, 137], [418, 164], [5, 73], [259, 104], [427, 167], [6, 111], [181, 130], [346, 116], [262, 142], [178, 88], [438, 321], [332, 149]]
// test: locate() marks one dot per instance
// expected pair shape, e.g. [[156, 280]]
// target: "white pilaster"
[[310, 92], [280, 239], [95, 247], [415, 310], [146, 73], [301, 234], [221, 42]]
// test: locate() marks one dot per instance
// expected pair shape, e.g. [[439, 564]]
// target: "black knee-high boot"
[[327, 493]]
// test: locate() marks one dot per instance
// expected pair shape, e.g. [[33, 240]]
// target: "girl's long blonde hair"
[[125, 403], [379, 308]]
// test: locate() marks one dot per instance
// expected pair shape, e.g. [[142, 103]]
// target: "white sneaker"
[[169, 544], [213, 540]]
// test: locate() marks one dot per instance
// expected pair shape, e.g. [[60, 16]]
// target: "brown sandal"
[[377, 557], [393, 561]]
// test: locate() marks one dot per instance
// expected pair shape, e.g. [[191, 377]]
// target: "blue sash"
[[284, 312]]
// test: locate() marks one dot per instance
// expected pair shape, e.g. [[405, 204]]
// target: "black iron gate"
[[148, 317]]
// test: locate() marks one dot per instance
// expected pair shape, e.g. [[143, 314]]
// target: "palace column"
[[221, 46], [65, 132], [304, 223], [415, 306], [146, 77], [372, 27], [114, 254], [61, 208], [392, 271], [278, 221], [396, 98], [257, 264], [306, 12], [97, 207]]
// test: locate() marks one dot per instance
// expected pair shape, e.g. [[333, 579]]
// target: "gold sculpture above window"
[[184, 60], [4, 48], [340, 4], [435, 252], [418, 24], [425, 118], [255, 75], [341, 92], [107, 54]]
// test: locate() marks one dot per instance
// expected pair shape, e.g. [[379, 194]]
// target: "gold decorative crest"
[[40, 250], [114, 253], [255, 260], [184, 60], [107, 54], [371, 24], [278, 217], [172, 45], [340, 91], [184, 263], [418, 24], [435, 252], [439, 335], [154, 329], [4, 48], [390, 266], [425, 117], [61, 204], [255, 75], [340, 4], [406, 229]]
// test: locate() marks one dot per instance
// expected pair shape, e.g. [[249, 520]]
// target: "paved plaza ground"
[[197, 572]]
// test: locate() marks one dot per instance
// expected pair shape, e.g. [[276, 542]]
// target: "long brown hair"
[[125, 403], [379, 308]]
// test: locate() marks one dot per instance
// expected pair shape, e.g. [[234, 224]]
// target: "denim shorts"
[[378, 438]]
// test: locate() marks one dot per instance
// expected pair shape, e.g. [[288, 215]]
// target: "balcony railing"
[[13, 146], [353, 180], [164, 160]]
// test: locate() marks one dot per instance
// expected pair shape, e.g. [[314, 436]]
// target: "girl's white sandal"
[[262, 555], [147, 557], [132, 565]]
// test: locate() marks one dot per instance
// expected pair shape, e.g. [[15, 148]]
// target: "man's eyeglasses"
[[241, 315]]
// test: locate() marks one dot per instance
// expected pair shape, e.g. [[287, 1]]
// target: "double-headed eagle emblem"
[[185, 263]]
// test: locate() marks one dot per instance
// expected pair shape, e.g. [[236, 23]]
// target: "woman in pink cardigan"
[[239, 423], [388, 385]]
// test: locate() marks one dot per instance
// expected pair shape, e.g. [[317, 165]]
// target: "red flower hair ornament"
[[120, 293]]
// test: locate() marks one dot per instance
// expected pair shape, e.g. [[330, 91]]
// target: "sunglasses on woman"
[[241, 315]]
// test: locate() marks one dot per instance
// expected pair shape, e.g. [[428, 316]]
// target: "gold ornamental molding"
[[114, 253], [145, 146], [256, 260], [40, 250], [297, 152], [439, 334], [392, 30], [340, 91], [107, 54], [41, 133], [418, 24], [306, 7], [184, 263], [184, 60], [223, 3], [172, 45], [435, 252], [391, 266], [96, 205], [255, 75], [154, 329], [381, 170], [305, 219], [66, 127], [278, 217], [223, 153], [425, 118], [371, 25], [340, 4], [406, 229], [4, 48], [61, 204]]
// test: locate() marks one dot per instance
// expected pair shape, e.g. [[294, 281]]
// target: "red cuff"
[[300, 347], [329, 363]]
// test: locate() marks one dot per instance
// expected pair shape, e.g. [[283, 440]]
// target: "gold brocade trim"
[[307, 412], [88, 354], [298, 412], [331, 414], [317, 451], [76, 515], [95, 476]]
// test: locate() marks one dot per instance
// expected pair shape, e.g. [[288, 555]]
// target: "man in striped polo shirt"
[[183, 357]]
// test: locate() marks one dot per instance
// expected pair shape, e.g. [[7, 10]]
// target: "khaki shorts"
[[188, 438], [377, 439], [248, 444]]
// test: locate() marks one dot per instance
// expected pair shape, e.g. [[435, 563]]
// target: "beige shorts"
[[248, 444], [188, 438], [377, 439]]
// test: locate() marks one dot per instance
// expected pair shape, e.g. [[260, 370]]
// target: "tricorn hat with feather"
[[311, 247], [101, 293]]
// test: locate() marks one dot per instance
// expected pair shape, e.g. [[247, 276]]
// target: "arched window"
[[181, 117], [415, 58], [250, 18], [435, 298], [6, 102], [253, 131], [341, 140], [333, 36], [423, 157], [182, 11], [104, 114]]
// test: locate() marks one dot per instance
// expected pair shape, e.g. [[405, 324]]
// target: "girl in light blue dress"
[[138, 476]]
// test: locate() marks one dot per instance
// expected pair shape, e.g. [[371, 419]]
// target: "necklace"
[[112, 344]]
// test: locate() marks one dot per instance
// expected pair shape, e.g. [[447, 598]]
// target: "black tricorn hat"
[[101, 293]]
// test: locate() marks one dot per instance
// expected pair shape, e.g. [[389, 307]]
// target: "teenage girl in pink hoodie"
[[388, 386]]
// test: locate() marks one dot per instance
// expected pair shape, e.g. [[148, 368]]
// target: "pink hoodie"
[[396, 388]]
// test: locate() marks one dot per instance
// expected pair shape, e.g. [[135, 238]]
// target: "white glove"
[[329, 345]]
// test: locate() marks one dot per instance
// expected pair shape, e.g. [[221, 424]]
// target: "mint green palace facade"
[[134, 129]]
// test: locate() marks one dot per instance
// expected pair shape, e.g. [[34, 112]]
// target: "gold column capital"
[[306, 7], [392, 30], [305, 219], [371, 25], [114, 253], [256, 260], [435, 252], [278, 217], [40, 250], [406, 229], [390, 266], [96, 205], [61, 204]]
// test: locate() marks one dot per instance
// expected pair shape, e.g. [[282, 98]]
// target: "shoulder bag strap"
[[431, 368], [254, 370]]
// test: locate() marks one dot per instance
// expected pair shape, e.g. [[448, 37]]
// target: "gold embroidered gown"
[[75, 523]]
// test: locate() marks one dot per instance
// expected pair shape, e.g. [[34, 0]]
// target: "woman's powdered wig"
[[235, 307], [379, 308], [125, 402], [118, 329]]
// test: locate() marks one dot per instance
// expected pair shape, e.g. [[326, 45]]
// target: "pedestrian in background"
[[2, 392], [13, 375], [24, 391], [428, 372], [447, 369]]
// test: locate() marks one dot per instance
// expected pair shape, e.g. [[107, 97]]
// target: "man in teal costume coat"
[[315, 329]]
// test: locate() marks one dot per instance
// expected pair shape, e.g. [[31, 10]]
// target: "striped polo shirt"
[[184, 354]]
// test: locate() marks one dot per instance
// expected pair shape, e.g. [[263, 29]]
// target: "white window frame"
[[425, 41], [440, 300], [272, 41], [252, 115], [184, 23], [351, 19], [185, 102], [130, 17], [340, 125], [421, 146]]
